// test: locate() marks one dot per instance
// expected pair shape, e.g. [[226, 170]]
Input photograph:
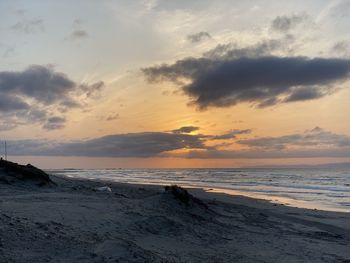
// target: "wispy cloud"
[[198, 37], [112, 117], [286, 23], [186, 129], [29, 26], [78, 34], [231, 134]]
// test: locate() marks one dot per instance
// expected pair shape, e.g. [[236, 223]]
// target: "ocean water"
[[315, 188]]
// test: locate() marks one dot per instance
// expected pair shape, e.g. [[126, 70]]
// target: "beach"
[[159, 131], [74, 220]]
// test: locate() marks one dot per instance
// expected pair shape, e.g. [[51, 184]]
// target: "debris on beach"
[[103, 189]]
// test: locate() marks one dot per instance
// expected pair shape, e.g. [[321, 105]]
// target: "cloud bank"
[[312, 143], [316, 137], [147, 144]]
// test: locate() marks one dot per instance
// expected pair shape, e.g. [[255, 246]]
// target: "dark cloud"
[[37, 92], [231, 134], [190, 67], [37, 82], [264, 81], [33, 115], [306, 93], [10, 103], [198, 37], [29, 26], [146, 144], [186, 129], [286, 23], [54, 123]]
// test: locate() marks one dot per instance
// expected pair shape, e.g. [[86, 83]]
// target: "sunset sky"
[[164, 83]]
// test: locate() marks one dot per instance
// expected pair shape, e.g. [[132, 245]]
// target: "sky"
[[160, 83]]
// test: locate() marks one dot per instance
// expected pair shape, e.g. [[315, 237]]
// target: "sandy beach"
[[164, 131], [72, 221]]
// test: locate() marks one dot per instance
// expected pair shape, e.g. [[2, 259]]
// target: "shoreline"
[[274, 199], [313, 189], [76, 221]]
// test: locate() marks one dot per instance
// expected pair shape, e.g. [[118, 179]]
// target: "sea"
[[313, 188]]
